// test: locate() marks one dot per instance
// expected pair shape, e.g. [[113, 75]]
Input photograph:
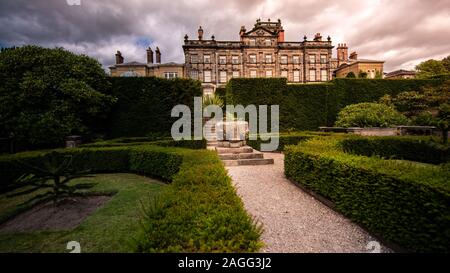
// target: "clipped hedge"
[[148, 160], [145, 103], [199, 212], [285, 139], [164, 142], [309, 106], [408, 148], [406, 203]]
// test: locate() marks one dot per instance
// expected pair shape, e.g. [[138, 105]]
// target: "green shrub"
[[47, 94], [285, 139], [369, 115], [199, 212], [309, 106], [406, 203], [145, 103], [408, 148]]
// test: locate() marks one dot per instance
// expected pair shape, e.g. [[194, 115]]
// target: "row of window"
[[268, 74], [267, 58]]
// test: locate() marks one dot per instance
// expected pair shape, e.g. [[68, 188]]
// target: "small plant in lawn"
[[54, 174]]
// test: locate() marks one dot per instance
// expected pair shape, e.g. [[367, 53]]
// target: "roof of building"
[[146, 64], [358, 61], [401, 72]]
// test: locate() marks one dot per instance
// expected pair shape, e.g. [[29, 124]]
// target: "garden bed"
[[66, 215]]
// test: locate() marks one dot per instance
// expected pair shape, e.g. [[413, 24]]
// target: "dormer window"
[[252, 58], [252, 42], [268, 42]]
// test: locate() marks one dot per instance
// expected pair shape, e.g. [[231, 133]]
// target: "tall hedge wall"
[[144, 104], [309, 106]]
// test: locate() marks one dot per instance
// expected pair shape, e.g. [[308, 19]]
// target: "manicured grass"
[[112, 228]]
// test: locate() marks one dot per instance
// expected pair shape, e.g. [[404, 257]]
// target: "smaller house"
[[401, 74], [169, 70], [345, 64]]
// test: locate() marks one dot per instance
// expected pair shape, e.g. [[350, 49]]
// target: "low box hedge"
[[199, 211], [285, 139], [164, 142], [409, 148], [405, 202]]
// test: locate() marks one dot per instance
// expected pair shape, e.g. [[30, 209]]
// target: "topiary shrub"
[[369, 115]]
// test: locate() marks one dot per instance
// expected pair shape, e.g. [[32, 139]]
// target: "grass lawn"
[[111, 228]]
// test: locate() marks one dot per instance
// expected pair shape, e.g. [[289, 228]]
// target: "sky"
[[402, 32]]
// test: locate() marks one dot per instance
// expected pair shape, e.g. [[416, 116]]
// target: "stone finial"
[[213, 37], [186, 37], [200, 33], [305, 38], [329, 38]]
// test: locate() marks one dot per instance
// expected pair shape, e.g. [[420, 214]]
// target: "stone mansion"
[[260, 52]]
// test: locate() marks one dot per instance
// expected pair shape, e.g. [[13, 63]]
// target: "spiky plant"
[[212, 100], [54, 174]]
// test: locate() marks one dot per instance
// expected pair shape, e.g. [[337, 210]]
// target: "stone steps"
[[243, 162], [241, 156], [245, 149]]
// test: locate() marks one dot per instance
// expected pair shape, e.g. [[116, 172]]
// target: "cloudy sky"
[[401, 32]]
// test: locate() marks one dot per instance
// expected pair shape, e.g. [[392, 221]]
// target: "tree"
[[47, 94], [351, 75], [53, 174], [369, 115], [446, 63], [430, 68], [442, 121]]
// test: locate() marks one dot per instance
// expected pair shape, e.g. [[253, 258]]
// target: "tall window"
[[206, 59], [296, 59], [194, 58], [284, 73], [170, 75], [296, 75], [323, 59], [223, 76], [235, 59], [236, 74], [323, 75], [268, 73], [207, 76], [268, 58], [312, 59], [194, 74], [222, 59], [284, 59], [252, 73], [252, 58], [312, 75]]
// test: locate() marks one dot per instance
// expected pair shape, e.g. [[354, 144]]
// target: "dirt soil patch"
[[47, 217]]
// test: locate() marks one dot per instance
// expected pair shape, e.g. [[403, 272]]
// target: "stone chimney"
[[119, 58], [149, 55], [318, 37], [342, 53], [281, 35], [353, 56], [158, 55], [200, 33]]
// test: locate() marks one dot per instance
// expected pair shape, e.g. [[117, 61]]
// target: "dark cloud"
[[402, 32]]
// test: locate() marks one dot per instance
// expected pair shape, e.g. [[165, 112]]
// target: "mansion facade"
[[260, 52]]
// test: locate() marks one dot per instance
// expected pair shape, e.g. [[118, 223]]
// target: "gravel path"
[[294, 221]]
